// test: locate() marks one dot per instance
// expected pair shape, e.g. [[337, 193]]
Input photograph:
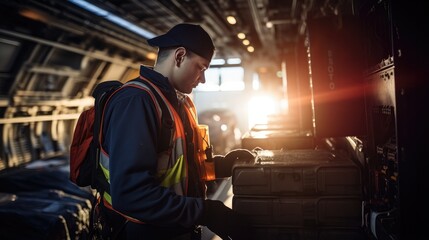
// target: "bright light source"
[[92, 8], [113, 18], [233, 60], [284, 105], [232, 79], [231, 20], [255, 81], [223, 79], [269, 24], [241, 35], [250, 49], [259, 108], [216, 117], [232, 86], [246, 42]]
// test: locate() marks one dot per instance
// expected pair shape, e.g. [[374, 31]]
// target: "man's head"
[[185, 52], [190, 36]]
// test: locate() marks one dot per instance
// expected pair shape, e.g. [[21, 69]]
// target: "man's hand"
[[224, 164]]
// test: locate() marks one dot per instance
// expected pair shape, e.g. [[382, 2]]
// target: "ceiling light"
[[269, 24], [231, 20], [250, 49], [246, 42], [241, 35], [217, 61], [233, 61]]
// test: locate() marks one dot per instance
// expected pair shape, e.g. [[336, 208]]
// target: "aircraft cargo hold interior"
[[314, 111]]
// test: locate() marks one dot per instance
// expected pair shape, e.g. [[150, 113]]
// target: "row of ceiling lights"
[[242, 36]]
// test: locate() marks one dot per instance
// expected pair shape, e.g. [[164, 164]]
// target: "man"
[[150, 149]]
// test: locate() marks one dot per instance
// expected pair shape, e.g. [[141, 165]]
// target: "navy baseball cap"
[[190, 36]]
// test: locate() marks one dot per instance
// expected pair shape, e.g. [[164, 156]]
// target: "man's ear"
[[179, 55]]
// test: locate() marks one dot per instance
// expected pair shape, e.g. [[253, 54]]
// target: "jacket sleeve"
[[130, 136]]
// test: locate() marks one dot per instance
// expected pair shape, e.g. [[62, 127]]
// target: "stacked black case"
[[299, 194]]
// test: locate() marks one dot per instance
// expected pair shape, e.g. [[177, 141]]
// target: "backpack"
[[85, 148]]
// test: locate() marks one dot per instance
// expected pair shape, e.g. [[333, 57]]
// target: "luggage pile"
[[300, 194], [42, 203]]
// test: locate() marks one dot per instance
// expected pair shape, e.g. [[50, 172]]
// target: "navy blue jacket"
[[130, 138]]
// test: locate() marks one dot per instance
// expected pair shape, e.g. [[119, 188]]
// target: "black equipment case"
[[299, 194], [297, 172], [332, 211]]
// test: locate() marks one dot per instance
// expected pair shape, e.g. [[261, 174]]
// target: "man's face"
[[190, 72]]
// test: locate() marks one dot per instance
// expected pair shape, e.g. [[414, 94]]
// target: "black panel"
[[336, 75]]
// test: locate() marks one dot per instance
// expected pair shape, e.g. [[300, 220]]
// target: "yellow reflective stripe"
[[104, 164], [107, 197], [175, 174], [106, 173]]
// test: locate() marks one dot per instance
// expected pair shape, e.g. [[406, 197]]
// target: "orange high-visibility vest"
[[172, 166]]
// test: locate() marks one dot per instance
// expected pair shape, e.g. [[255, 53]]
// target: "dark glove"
[[222, 168], [224, 164], [225, 222]]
